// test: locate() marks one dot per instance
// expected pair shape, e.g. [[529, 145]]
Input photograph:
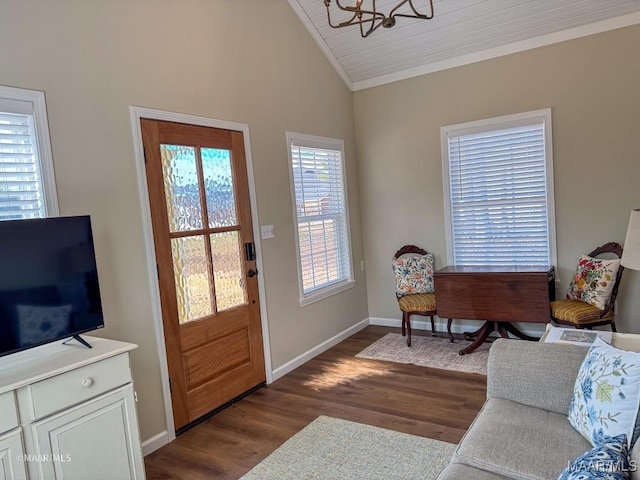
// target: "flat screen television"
[[48, 282]]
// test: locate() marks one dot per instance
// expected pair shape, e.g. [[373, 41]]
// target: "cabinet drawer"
[[8, 412], [78, 385]]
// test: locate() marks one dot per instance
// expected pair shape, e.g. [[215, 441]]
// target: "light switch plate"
[[267, 231]]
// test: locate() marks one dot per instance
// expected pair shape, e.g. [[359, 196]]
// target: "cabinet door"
[[12, 465], [97, 439]]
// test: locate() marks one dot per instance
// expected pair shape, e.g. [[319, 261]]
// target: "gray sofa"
[[522, 431]]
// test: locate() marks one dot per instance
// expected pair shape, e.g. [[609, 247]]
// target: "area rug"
[[434, 352], [334, 449]]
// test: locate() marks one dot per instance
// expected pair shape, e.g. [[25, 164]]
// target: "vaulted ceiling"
[[461, 32]]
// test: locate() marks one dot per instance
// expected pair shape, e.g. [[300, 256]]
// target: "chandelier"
[[370, 19]]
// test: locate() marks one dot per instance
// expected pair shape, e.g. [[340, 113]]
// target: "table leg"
[[502, 330], [449, 330], [482, 333], [473, 335], [512, 329]]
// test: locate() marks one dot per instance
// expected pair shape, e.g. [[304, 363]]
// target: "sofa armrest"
[[540, 375]]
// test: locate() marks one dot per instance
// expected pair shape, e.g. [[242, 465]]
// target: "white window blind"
[[500, 191], [317, 174], [22, 182]]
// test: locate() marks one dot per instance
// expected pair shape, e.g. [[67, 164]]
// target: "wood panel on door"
[[203, 235]]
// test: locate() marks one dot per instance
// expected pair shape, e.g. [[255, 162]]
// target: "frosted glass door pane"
[[227, 270], [181, 187], [193, 284], [218, 181]]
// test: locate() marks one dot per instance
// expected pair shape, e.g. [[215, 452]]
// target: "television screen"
[[48, 281]]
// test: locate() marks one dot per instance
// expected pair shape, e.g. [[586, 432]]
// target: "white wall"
[[248, 61], [591, 85]]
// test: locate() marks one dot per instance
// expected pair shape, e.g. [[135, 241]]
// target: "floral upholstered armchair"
[[592, 292]]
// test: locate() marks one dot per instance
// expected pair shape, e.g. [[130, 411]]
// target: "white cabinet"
[[11, 463], [69, 413], [95, 436]]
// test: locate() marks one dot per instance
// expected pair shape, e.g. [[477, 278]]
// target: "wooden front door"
[[201, 216]]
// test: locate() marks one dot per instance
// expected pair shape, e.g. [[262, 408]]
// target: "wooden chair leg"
[[404, 323], [407, 317], [449, 330], [433, 327], [613, 327]]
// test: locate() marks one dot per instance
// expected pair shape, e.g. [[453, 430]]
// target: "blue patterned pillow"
[[609, 461], [606, 394]]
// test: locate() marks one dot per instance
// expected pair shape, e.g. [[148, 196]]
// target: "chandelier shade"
[[365, 14]]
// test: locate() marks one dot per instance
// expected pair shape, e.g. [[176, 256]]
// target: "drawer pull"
[[87, 382]]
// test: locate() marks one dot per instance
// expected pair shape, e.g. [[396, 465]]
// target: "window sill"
[[326, 292]]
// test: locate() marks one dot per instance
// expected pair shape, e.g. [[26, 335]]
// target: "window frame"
[[493, 124], [333, 288], [44, 155]]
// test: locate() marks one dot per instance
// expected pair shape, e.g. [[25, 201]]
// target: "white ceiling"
[[461, 32]]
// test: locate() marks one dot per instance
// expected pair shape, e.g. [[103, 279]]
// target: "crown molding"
[[536, 42]]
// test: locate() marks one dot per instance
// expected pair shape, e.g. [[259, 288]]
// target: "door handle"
[[252, 273], [250, 251]]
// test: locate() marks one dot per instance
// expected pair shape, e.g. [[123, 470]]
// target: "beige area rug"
[[433, 352], [334, 449]]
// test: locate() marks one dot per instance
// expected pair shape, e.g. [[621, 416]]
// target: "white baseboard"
[[417, 323], [154, 443], [318, 349], [458, 326]]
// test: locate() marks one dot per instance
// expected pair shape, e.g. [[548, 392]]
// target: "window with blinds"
[[322, 226], [23, 137], [499, 191]]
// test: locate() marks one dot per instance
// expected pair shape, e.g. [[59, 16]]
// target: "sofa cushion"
[[459, 471], [540, 375], [520, 442]]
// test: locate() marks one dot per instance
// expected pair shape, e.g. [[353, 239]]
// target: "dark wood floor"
[[406, 398]]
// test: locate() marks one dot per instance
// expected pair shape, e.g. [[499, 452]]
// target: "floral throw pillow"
[[606, 395], [413, 274], [593, 281], [609, 460]]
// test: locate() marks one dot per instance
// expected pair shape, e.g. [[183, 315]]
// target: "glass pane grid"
[[498, 187], [218, 182], [186, 170], [182, 187], [191, 272], [321, 214], [320, 253], [227, 270]]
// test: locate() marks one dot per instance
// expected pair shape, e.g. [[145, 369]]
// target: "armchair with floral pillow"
[[592, 293]]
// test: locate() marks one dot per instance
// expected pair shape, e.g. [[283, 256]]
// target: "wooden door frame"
[[136, 114]]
